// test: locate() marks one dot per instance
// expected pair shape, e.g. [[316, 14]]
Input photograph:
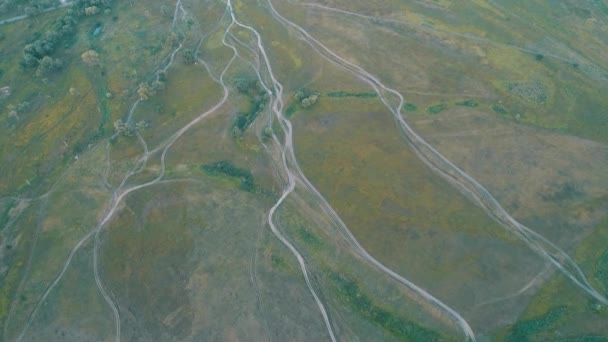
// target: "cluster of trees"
[[149, 89], [129, 129], [81, 6], [20, 108], [258, 97], [309, 101], [173, 39], [47, 65], [44, 45], [246, 85], [306, 99], [267, 133]]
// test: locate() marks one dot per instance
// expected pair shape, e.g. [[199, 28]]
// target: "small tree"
[[120, 127], [242, 85], [145, 92], [52, 36], [173, 39], [47, 65], [29, 60], [141, 125], [162, 76], [309, 101], [188, 56], [90, 57], [90, 11], [300, 95], [127, 129], [267, 133]]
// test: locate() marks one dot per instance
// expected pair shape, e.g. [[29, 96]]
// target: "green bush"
[[410, 107], [402, 329], [227, 169], [308, 237], [521, 331], [258, 101], [4, 216], [438, 108], [500, 109], [292, 109], [467, 103], [601, 270]]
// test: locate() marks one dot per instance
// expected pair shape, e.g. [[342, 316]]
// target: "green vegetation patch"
[[349, 94], [585, 339], [563, 192], [292, 109], [308, 237], [500, 109], [521, 331], [532, 91], [277, 261], [601, 270], [227, 169], [410, 107], [304, 99], [438, 108], [467, 103], [258, 100], [5, 214], [39, 47], [350, 293], [601, 5]]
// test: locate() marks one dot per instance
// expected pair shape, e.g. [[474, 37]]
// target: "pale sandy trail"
[[288, 157], [538, 278], [277, 104], [455, 316]]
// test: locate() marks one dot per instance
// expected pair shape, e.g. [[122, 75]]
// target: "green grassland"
[[117, 178]]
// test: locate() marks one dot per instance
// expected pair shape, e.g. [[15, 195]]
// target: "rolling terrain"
[[292, 170]]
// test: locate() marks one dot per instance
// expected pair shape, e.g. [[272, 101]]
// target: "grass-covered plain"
[[239, 170]]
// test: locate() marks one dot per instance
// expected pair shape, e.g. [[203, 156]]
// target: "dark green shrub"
[[410, 107], [601, 270], [227, 169], [467, 103], [438, 108], [500, 109], [521, 331], [188, 57]]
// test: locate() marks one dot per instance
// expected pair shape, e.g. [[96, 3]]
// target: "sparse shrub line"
[[226, 168]]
